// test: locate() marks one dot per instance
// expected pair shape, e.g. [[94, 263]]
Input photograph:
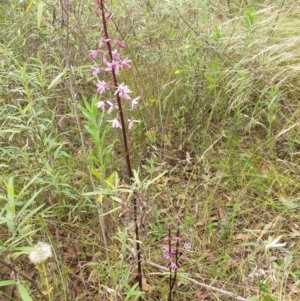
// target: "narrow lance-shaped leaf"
[[57, 80], [24, 293], [39, 14]]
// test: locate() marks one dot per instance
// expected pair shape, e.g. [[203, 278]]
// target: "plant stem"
[[176, 257], [170, 252], [126, 148], [44, 271], [173, 281]]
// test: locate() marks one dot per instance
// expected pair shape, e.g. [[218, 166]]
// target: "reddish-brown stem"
[[170, 252], [126, 148], [176, 256], [172, 280]]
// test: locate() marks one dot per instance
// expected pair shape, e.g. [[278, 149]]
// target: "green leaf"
[[116, 199], [15, 241], [96, 173], [155, 179], [10, 189], [267, 298], [28, 184], [23, 292], [136, 178], [111, 211], [7, 282], [101, 192], [57, 80], [29, 5], [10, 222], [28, 216], [23, 251], [28, 203], [132, 292], [39, 14]]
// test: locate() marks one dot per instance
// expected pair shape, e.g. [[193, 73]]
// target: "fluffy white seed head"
[[43, 253]]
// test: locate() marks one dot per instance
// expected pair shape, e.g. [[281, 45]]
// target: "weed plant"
[[216, 150]]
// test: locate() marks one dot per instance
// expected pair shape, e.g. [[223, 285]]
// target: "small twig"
[[209, 287], [25, 277]]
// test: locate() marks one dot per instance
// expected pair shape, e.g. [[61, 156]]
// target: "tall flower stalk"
[[112, 63], [172, 253]]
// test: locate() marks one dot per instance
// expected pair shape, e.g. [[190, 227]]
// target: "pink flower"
[[175, 238], [123, 91], [121, 45], [100, 43], [125, 64], [186, 246], [115, 55], [114, 65], [166, 252], [131, 123], [94, 53], [101, 105], [102, 86], [134, 102], [115, 123], [109, 16], [105, 61], [112, 107], [96, 70], [173, 266]]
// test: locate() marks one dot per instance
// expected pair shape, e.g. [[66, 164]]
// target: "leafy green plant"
[[18, 215], [100, 153], [133, 293]]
